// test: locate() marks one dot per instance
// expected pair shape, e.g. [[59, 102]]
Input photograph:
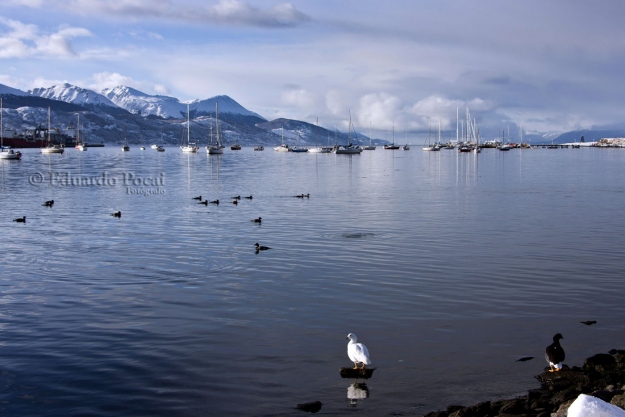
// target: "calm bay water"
[[448, 266]]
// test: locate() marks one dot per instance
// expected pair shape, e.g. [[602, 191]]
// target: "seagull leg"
[[355, 365], [550, 368]]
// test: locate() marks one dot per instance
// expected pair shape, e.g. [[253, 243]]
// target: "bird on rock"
[[554, 354], [357, 352]]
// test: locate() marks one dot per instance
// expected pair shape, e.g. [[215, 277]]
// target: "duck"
[[357, 352], [259, 220], [199, 197], [48, 203], [303, 195], [214, 202], [235, 202], [249, 197], [589, 322], [205, 202], [117, 214], [554, 354], [236, 198], [259, 247], [20, 220]]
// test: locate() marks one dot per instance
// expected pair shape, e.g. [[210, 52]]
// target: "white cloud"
[[161, 90], [226, 12], [298, 96], [24, 40]]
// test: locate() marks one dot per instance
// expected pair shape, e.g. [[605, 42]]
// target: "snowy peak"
[[4, 89], [143, 104], [72, 94]]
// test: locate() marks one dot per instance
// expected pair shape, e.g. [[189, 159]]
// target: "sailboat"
[[317, 148], [80, 146], [215, 149], [6, 153], [188, 148], [350, 148], [392, 146], [51, 148], [369, 147], [282, 147], [297, 148]]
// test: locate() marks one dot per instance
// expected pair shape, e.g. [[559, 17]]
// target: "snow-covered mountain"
[[72, 94], [4, 89], [137, 102]]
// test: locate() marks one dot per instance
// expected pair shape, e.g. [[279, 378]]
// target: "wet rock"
[[356, 373], [312, 407], [618, 400], [602, 375]]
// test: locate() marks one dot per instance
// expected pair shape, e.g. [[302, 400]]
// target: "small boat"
[[52, 148], [406, 147], [6, 153], [188, 148], [259, 148], [235, 147], [160, 149], [283, 147], [155, 146], [350, 148], [80, 146], [215, 148]]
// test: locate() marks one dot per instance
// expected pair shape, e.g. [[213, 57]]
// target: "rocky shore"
[[601, 376]]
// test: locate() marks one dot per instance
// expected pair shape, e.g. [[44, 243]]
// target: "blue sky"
[[550, 66]]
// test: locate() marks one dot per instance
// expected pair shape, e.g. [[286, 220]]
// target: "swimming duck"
[[199, 197], [20, 220], [48, 203], [214, 202], [236, 198], [259, 247], [589, 322], [260, 219], [235, 202], [205, 202], [249, 197], [357, 352], [303, 195], [117, 214], [554, 354]]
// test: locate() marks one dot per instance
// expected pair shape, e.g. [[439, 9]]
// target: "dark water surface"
[[448, 266]]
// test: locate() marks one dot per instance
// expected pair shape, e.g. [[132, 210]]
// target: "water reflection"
[[357, 391]]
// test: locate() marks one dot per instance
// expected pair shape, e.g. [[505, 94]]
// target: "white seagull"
[[357, 352]]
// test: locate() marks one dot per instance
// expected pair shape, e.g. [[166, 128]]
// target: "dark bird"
[[554, 354], [525, 358], [259, 247], [259, 220], [249, 197], [117, 214], [236, 198], [199, 197], [235, 202], [49, 203], [205, 202], [303, 195], [23, 220], [589, 322], [214, 202]]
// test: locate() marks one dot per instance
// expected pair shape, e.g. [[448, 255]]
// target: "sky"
[[408, 65]]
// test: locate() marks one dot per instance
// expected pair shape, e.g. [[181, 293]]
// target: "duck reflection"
[[357, 391]]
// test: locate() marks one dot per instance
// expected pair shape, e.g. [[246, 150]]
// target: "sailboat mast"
[[1, 136], [48, 126], [188, 124], [457, 124]]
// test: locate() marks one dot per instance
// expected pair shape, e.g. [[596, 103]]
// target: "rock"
[[604, 395], [356, 373], [516, 406], [601, 359], [312, 407], [619, 401]]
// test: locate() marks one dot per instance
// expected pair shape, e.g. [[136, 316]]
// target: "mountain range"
[[123, 113]]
